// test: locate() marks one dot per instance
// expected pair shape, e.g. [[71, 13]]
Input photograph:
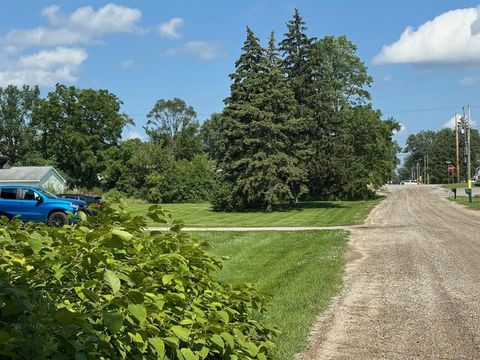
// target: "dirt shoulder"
[[412, 285]]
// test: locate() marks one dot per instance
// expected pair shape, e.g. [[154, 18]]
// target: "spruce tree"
[[337, 81], [295, 50], [259, 165]]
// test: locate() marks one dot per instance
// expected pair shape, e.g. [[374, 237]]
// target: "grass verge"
[[311, 213], [463, 200], [301, 271]]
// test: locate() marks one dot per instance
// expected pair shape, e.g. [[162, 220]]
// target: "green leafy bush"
[[105, 288]]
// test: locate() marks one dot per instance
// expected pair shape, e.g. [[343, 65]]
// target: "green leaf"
[[252, 348], [158, 346], [136, 337], [64, 316], [188, 354], [181, 332], [172, 341], [204, 352], [224, 316], [167, 278], [112, 280], [113, 321], [121, 234], [261, 356], [35, 244], [82, 216], [139, 312], [229, 339], [217, 340]]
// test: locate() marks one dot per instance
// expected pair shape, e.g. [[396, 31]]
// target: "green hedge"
[[107, 289]]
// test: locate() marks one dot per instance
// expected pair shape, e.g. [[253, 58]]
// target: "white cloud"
[[60, 56], [170, 28], [134, 135], [451, 123], [402, 130], [44, 68], [127, 64], [60, 61], [109, 19], [387, 78], [469, 81], [82, 26], [201, 49], [451, 38], [52, 14]]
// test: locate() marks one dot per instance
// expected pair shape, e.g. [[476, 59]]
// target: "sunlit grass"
[[312, 213], [301, 271]]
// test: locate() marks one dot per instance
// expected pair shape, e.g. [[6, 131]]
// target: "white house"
[[45, 176]]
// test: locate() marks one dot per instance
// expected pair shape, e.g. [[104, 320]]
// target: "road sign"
[[450, 168]]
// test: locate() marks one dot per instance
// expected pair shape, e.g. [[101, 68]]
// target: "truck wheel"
[[57, 219]]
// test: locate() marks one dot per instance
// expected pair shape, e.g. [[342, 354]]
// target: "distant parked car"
[[32, 203], [410, 182], [94, 202]]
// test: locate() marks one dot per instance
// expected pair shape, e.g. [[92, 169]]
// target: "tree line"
[[440, 148], [298, 123]]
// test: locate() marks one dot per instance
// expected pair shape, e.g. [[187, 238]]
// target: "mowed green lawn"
[[301, 271], [312, 213]]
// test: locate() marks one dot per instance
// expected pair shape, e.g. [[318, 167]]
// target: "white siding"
[[52, 182]]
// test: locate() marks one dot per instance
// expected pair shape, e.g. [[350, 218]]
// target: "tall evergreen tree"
[[258, 164], [295, 50], [337, 81]]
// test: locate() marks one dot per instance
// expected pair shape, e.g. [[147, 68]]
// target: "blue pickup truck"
[[31, 203]]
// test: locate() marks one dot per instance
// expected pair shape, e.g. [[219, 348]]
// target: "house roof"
[[25, 173]]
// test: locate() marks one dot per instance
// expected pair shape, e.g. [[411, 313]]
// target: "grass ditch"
[[309, 213], [463, 200], [301, 271]]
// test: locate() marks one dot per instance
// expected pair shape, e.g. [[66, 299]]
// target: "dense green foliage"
[[75, 126], [108, 289], [440, 148], [300, 124], [79, 131], [151, 172], [301, 270], [16, 108], [174, 125], [259, 166]]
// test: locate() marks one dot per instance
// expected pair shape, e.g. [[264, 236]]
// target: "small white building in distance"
[[45, 176]]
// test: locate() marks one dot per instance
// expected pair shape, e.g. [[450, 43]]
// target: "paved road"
[[412, 284]]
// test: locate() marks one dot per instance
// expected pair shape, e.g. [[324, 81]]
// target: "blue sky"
[[424, 55]]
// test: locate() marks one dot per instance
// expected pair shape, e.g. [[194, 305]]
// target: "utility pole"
[[469, 172], [457, 147], [428, 175], [424, 180]]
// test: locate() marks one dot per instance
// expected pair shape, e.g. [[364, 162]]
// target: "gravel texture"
[[412, 284]]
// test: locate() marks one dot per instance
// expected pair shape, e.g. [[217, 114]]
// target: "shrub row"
[[105, 288]]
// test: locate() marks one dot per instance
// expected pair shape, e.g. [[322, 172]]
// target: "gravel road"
[[412, 285]]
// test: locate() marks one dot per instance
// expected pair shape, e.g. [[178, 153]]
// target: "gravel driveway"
[[412, 286]]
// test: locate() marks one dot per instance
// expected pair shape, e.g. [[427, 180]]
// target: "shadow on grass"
[[287, 208]]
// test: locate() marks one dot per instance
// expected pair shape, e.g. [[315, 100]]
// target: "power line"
[[422, 109]]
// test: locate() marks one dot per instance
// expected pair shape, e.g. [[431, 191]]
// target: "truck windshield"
[[46, 193]]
